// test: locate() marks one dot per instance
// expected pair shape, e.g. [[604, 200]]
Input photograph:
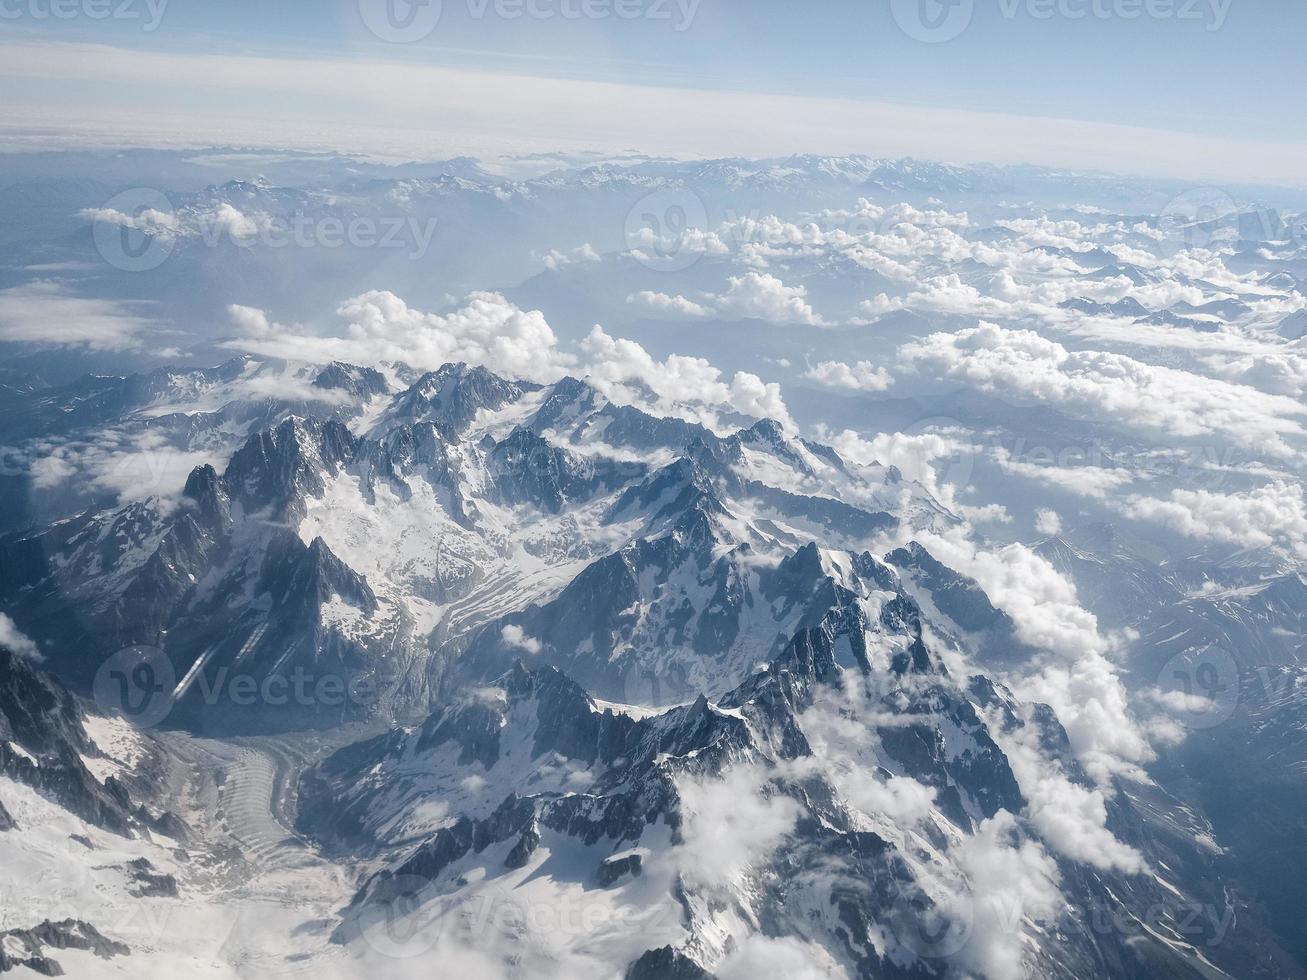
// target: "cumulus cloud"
[[582, 254], [149, 221], [1106, 386], [729, 825], [669, 305], [764, 297], [12, 638], [1076, 677], [1273, 516], [380, 329], [1070, 817], [615, 363], [753, 396], [1277, 372], [516, 638], [920, 456], [654, 246], [862, 376], [762, 956], [1048, 522], [1012, 880]]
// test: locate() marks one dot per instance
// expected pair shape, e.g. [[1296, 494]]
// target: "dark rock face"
[[614, 869], [42, 743], [452, 396], [527, 469], [7, 822], [666, 963], [277, 468], [146, 882], [955, 595], [362, 382], [28, 947], [573, 410]]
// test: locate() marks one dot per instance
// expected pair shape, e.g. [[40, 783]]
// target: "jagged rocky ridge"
[[322, 555], [608, 631], [31, 948], [498, 786], [44, 745]]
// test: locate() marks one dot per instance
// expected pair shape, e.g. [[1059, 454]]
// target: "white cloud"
[[1088, 481], [1048, 522], [514, 637], [380, 329], [729, 825], [51, 470], [862, 376], [753, 396], [1012, 880], [1278, 372], [614, 363], [1077, 679], [764, 297], [1273, 516], [12, 638], [1107, 386], [555, 259], [1070, 817], [132, 465], [762, 956], [46, 312], [663, 303], [150, 221]]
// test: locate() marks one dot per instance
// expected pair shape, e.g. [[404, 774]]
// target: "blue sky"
[[1225, 72]]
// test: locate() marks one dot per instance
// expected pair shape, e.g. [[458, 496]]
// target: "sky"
[[1184, 88]]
